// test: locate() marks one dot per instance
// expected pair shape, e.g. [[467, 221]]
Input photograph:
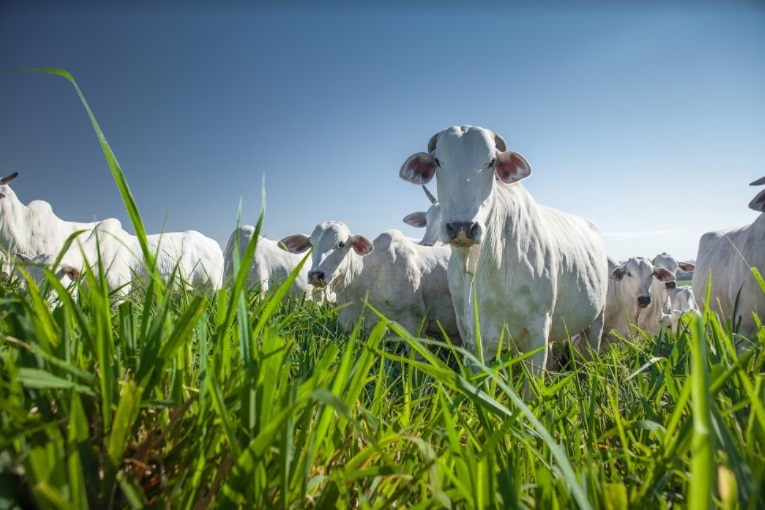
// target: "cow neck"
[[509, 226], [13, 211], [350, 279]]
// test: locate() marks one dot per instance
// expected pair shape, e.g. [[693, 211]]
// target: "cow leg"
[[539, 337], [593, 335]]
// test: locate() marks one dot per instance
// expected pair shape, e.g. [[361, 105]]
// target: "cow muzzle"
[[644, 301], [463, 233], [317, 278]]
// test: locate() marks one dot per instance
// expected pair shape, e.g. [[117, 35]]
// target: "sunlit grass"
[[181, 400]]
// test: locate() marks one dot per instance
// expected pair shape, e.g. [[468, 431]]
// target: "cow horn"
[[758, 182], [9, 179], [500, 142], [433, 200], [432, 143]]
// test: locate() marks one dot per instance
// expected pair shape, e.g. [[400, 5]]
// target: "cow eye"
[[340, 244], [491, 163], [629, 274], [438, 163]]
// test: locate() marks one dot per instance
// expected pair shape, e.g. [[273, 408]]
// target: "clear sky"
[[647, 118]]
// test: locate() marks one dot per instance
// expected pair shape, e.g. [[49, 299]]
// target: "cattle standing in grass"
[[271, 264], [34, 228], [195, 259], [430, 220], [683, 302], [403, 280], [537, 273], [637, 296], [727, 256]]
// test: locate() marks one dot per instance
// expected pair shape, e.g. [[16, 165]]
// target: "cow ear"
[[72, 272], [686, 266], [618, 273], [361, 245], [296, 243], [419, 168], [663, 275], [758, 202], [511, 167], [416, 219]]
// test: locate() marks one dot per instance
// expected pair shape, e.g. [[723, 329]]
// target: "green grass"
[[177, 400]]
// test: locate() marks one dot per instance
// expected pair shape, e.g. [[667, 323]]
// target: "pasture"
[[177, 400]]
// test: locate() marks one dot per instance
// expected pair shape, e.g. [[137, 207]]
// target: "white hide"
[[637, 296], [33, 228], [199, 259], [402, 280], [539, 274], [271, 265], [727, 256]]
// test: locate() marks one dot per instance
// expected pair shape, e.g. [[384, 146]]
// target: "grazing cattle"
[[271, 264], [682, 302], [404, 281], [727, 256], [634, 300], [197, 260], [35, 266], [430, 219], [536, 273], [33, 228]]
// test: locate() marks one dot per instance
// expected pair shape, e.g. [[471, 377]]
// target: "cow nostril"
[[644, 300], [473, 233], [450, 231]]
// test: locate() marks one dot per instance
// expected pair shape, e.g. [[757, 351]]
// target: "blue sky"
[[648, 119]]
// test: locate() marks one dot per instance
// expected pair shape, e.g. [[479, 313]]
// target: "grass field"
[[177, 400]]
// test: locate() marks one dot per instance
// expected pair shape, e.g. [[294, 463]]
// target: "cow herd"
[[493, 268]]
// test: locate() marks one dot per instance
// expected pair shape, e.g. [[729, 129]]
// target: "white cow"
[[401, 279], [669, 262], [34, 228], [270, 266], [726, 257], [430, 220], [198, 259], [637, 296], [682, 302], [539, 274]]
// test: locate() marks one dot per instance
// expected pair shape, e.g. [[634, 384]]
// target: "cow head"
[[431, 220], [35, 266], [467, 160], [6, 190], [333, 254], [636, 276], [669, 263]]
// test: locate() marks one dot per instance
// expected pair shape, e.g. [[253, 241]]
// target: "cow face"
[[334, 248], [467, 161], [669, 263], [636, 276]]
